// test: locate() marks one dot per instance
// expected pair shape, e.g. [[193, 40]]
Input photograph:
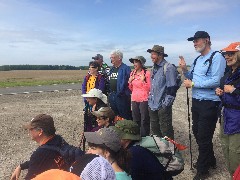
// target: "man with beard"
[[204, 77]]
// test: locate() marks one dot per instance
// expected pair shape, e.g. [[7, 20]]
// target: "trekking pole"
[[189, 131], [85, 120]]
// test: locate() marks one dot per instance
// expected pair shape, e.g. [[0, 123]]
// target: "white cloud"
[[166, 10]]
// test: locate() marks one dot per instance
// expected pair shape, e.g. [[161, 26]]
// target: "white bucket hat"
[[96, 93]]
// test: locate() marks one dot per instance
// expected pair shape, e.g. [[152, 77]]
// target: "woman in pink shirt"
[[139, 84]]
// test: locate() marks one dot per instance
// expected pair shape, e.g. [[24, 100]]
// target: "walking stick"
[[83, 139], [189, 131]]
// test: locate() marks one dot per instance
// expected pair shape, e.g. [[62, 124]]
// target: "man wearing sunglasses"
[[41, 130], [204, 77]]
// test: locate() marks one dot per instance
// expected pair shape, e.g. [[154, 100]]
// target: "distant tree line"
[[40, 67], [46, 67]]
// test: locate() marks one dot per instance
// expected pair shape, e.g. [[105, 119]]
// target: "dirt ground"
[[66, 108]]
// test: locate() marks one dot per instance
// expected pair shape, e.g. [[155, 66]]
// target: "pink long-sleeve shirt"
[[140, 90]]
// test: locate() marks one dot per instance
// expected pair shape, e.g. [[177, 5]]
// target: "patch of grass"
[[13, 83]]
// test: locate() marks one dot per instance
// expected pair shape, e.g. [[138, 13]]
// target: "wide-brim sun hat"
[[96, 93], [127, 129], [158, 49], [139, 58]]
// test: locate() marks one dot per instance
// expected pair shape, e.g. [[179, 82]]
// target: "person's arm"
[[171, 78], [16, 173], [102, 83], [147, 81], [123, 79], [84, 84], [182, 64], [131, 78]]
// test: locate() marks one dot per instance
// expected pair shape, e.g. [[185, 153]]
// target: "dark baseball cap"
[[107, 136], [98, 56], [199, 34]]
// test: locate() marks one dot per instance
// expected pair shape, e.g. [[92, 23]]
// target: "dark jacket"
[[43, 159], [122, 79], [144, 164], [231, 103], [99, 83]]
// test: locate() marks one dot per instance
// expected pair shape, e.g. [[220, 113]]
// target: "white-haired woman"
[[229, 92]]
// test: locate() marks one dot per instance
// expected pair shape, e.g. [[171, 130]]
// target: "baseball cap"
[[127, 129], [233, 47], [98, 56], [104, 111], [96, 93], [92, 166], [158, 49], [43, 121], [106, 136], [139, 58], [199, 34]]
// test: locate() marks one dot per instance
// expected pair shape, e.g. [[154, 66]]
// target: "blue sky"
[[71, 32]]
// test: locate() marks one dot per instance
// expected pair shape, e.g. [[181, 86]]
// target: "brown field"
[[31, 75]]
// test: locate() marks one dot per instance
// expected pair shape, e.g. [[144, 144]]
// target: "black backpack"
[[210, 62], [68, 152]]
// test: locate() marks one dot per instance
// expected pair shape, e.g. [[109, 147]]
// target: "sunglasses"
[[229, 54]]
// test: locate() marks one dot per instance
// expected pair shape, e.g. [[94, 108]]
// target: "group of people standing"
[[115, 96], [147, 97]]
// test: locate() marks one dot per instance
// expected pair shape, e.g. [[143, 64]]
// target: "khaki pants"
[[231, 149]]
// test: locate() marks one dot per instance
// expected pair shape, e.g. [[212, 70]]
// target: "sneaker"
[[201, 176]]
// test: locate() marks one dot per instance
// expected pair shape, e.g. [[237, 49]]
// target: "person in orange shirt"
[[139, 84]]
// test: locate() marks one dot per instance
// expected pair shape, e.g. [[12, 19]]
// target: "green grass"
[[13, 83]]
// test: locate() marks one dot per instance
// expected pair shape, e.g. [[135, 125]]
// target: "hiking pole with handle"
[[189, 131]]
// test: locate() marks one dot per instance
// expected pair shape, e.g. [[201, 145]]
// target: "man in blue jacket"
[[204, 77], [119, 96]]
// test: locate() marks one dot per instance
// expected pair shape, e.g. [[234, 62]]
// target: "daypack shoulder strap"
[[165, 68], [210, 61], [54, 148], [194, 63]]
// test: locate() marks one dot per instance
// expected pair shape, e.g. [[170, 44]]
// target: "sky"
[[71, 32]]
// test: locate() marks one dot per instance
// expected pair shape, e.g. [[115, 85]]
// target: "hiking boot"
[[213, 166], [201, 176]]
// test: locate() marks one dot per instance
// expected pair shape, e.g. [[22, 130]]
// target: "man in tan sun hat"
[[162, 93], [41, 130]]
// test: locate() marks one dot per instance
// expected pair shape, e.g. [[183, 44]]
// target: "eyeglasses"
[[102, 118], [92, 67], [32, 128], [229, 54]]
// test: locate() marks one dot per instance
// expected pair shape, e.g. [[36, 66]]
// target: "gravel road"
[[66, 109]]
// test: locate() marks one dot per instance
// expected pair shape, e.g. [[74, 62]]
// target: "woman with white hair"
[[229, 92]]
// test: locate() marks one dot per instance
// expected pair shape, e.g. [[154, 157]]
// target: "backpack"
[[166, 152], [178, 77], [68, 152], [210, 62]]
